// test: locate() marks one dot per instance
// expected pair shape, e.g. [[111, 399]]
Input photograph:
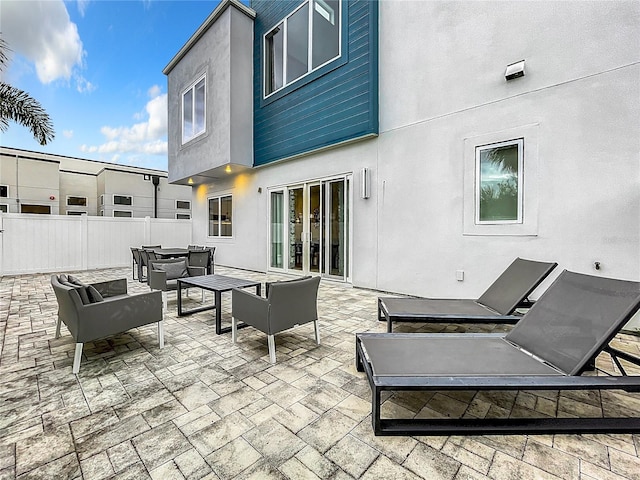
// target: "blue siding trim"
[[332, 105]]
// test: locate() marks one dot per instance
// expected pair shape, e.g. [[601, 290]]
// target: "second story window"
[[194, 110], [122, 200], [76, 201], [304, 41], [183, 205], [4, 191]]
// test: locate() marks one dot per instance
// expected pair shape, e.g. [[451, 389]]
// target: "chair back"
[[136, 255], [293, 302], [575, 318], [515, 284], [69, 302], [144, 247], [196, 247], [198, 258]]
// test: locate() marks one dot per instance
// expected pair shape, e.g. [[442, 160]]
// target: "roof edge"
[[219, 10]]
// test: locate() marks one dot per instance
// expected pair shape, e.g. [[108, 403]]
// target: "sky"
[[96, 68]]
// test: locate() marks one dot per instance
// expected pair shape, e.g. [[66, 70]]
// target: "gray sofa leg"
[[234, 329], [58, 327], [161, 333], [316, 326], [272, 348], [77, 357]]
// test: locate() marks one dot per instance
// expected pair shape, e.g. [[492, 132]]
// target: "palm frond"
[[19, 106]]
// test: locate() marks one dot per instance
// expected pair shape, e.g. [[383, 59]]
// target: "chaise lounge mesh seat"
[[549, 349], [497, 304]]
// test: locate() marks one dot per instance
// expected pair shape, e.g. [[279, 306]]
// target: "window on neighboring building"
[[101, 199], [220, 216], [183, 216], [193, 110], [4, 208], [499, 173], [71, 212], [183, 205], [122, 213], [122, 200], [39, 209], [304, 41], [76, 201], [101, 213], [4, 191]]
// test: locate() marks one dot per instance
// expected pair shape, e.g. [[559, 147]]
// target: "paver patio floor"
[[205, 408]]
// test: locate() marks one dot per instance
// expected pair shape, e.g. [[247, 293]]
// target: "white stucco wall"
[[442, 88]]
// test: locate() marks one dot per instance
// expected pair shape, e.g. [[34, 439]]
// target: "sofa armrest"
[[251, 309], [157, 279], [111, 288], [101, 319]]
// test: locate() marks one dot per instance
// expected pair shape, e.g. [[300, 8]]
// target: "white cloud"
[[67, 133], [147, 137], [42, 32]]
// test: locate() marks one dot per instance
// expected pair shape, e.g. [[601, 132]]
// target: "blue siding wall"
[[339, 102]]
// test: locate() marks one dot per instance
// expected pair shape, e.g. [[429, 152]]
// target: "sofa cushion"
[[173, 269], [94, 294]]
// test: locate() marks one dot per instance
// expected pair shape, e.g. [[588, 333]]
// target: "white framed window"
[[75, 212], [4, 208], [183, 216], [194, 110], [4, 191], [122, 200], [76, 201], [307, 39], [101, 200], [484, 167], [123, 213], [183, 205], [499, 182], [221, 216]]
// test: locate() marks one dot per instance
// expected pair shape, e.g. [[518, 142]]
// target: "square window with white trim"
[[499, 182], [194, 110]]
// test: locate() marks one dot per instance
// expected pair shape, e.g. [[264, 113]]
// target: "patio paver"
[[205, 408]]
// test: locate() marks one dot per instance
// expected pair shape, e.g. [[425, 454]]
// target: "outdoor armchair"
[[164, 274], [102, 309], [288, 304]]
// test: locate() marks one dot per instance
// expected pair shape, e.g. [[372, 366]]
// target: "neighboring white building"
[[412, 146], [32, 182]]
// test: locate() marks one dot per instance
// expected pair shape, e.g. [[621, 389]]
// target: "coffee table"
[[216, 284]]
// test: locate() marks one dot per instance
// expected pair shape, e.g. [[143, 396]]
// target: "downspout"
[[156, 181]]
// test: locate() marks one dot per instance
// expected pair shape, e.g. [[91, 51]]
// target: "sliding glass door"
[[310, 228]]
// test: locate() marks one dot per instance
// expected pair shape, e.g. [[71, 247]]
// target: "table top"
[[220, 283], [170, 251]]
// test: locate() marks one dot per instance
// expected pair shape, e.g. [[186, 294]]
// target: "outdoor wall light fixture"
[[228, 169], [190, 181], [365, 183], [515, 70]]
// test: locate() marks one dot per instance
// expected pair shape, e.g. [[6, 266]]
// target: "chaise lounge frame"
[[415, 375], [497, 304]]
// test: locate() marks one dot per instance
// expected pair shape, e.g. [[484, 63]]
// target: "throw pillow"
[[94, 294], [77, 281], [82, 291]]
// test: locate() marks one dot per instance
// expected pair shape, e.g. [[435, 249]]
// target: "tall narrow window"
[[499, 182], [194, 110], [221, 216], [4, 191], [304, 41]]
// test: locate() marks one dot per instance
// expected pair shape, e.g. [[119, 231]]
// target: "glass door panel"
[[315, 229], [296, 228], [336, 229], [277, 230]]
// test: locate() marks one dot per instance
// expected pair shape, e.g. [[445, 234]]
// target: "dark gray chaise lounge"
[[549, 348], [496, 305]]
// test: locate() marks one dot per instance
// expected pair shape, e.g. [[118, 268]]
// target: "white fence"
[[54, 243]]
